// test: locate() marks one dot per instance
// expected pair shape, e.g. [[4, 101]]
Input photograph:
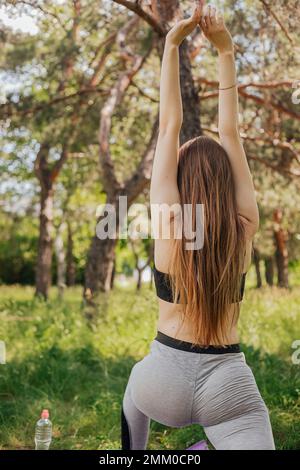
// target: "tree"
[[58, 109], [55, 102], [102, 252]]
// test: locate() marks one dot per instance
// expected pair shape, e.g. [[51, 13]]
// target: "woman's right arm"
[[163, 187], [216, 31]]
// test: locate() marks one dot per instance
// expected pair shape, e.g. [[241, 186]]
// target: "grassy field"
[[56, 360]]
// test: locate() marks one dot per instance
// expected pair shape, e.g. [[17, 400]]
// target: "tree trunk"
[[47, 173], [44, 257], [269, 267], [256, 260], [281, 254], [98, 274], [70, 269], [113, 275], [139, 281], [151, 261], [151, 280], [190, 98], [99, 268], [60, 261], [101, 256], [166, 11]]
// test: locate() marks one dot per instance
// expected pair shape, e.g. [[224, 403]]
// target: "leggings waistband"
[[187, 346]]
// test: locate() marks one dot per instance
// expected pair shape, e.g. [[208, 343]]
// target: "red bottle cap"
[[45, 414]]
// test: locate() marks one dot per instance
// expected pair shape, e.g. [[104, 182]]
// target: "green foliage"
[[56, 361], [17, 249], [40, 101]]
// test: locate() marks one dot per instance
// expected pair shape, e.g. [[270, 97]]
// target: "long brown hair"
[[208, 279]]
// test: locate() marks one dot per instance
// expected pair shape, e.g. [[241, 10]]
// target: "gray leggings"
[[178, 387]]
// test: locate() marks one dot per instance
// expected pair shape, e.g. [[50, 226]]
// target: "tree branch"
[[277, 168], [271, 142], [123, 34], [141, 177], [114, 99], [278, 21], [8, 110], [98, 63], [59, 163], [150, 19], [273, 104], [258, 99], [154, 100], [35, 5], [271, 84]]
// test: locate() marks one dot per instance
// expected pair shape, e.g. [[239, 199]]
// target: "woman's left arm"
[[215, 30]]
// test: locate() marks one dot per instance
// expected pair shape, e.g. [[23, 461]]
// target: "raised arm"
[[215, 30], [163, 188]]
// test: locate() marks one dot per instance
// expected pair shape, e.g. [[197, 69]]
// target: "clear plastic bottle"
[[43, 432]]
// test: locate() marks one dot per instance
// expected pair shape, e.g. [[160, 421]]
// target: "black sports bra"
[[164, 290]]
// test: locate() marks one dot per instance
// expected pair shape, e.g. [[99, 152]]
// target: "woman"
[[195, 371]]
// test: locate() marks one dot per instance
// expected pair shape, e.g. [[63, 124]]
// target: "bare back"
[[170, 314]]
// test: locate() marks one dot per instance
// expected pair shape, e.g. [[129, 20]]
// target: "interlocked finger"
[[213, 16], [203, 24], [220, 18]]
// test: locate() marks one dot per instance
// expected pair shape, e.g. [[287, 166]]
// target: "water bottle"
[[43, 432]]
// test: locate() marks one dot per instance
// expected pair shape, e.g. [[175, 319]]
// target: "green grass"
[[56, 360]]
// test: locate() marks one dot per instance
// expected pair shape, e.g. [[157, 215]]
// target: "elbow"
[[251, 223], [255, 224], [254, 228], [256, 219]]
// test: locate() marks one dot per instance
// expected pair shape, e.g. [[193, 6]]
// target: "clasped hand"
[[211, 23]]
